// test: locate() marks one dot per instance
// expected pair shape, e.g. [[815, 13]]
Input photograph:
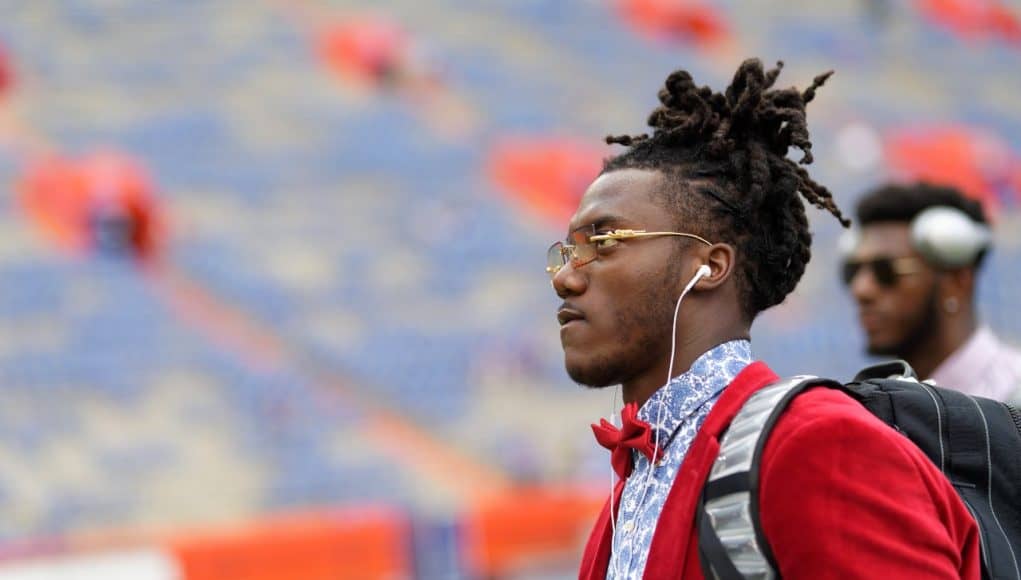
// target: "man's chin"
[[592, 376], [882, 349]]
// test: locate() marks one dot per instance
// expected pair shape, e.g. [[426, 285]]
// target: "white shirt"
[[983, 366]]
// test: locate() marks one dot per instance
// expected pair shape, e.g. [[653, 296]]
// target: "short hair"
[[901, 202], [725, 155]]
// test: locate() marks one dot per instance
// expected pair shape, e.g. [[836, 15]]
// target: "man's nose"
[[569, 281], [863, 285]]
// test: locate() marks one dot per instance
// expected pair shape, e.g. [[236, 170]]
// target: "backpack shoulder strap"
[[732, 545]]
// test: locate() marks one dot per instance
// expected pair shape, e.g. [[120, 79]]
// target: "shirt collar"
[[979, 351], [707, 377]]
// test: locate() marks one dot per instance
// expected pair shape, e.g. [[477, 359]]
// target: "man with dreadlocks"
[[674, 250]]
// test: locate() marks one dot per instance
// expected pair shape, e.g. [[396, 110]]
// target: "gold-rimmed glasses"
[[584, 243]]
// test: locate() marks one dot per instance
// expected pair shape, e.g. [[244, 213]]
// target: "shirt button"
[[661, 461], [628, 526]]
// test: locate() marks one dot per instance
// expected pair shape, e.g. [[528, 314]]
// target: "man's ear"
[[959, 284], [721, 261]]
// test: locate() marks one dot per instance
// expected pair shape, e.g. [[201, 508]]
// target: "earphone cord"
[[613, 518], [702, 271]]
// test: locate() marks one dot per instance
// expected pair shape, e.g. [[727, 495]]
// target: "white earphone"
[[702, 272]]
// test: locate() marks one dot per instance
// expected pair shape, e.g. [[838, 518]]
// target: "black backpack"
[[976, 443]]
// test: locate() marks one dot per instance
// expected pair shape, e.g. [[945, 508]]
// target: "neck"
[[954, 330], [690, 346]]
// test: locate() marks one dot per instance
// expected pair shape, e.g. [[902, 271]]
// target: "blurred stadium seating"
[[396, 292]]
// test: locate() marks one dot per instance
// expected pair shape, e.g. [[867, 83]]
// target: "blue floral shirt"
[[682, 406]]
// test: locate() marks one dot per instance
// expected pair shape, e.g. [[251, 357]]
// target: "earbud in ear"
[[702, 272]]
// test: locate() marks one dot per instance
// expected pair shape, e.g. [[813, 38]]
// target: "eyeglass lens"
[[579, 251]]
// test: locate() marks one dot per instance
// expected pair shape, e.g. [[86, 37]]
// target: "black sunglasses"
[[885, 270]]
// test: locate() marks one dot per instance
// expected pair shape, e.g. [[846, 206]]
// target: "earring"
[[951, 305]]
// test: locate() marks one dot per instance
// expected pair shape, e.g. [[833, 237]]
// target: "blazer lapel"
[[596, 559]]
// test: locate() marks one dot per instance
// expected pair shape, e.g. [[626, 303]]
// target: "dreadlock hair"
[[730, 150]]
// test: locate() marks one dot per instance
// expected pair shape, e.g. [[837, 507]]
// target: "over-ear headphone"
[[949, 238], [945, 236]]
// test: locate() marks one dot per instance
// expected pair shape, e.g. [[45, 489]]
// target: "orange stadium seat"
[[545, 175], [325, 545], [527, 527], [6, 73]]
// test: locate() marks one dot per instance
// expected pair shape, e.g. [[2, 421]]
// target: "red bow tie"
[[633, 434]]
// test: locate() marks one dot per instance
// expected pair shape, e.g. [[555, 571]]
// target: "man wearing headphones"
[[912, 270]]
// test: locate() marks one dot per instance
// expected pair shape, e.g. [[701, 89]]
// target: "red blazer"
[[842, 495]]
